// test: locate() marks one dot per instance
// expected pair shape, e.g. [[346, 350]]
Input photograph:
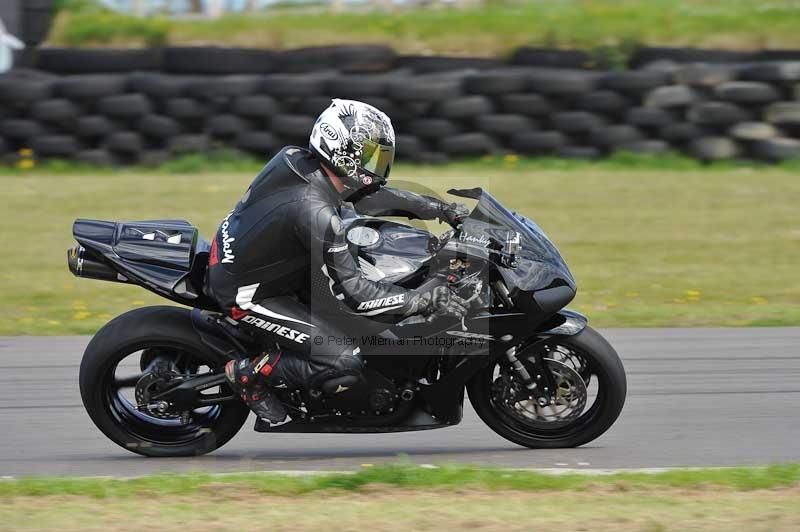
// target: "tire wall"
[[145, 106]]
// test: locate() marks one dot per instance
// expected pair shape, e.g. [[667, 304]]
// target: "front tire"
[[168, 329], [601, 363]]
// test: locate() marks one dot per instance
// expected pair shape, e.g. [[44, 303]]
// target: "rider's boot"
[[247, 377]]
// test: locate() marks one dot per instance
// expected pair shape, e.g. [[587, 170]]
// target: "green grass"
[[227, 160], [404, 497], [607, 27], [403, 476], [409, 498], [648, 247]]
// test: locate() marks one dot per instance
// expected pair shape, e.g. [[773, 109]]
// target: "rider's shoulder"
[[297, 170], [291, 161], [300, 161]]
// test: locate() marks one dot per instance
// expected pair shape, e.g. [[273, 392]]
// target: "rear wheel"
[[132, 359], [586, 389]]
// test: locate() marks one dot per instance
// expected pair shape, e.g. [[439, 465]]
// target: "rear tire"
[[604, 364], [165, 327]]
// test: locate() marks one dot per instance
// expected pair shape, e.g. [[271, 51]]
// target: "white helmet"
[[356, 142]]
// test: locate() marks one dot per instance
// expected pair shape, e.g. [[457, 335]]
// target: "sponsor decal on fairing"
[[479, 240], [476, 336]]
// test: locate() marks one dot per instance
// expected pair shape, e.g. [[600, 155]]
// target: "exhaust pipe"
[[82, 265]]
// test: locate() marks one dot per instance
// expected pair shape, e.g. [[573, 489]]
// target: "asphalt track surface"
[[696, 397]]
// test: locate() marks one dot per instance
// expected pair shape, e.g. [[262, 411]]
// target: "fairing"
[[539, 281], [170, 244], [540, 276], [165, 256]]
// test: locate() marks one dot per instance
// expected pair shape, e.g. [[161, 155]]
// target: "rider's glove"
[[452, 213], [446, 303], [438, 301]]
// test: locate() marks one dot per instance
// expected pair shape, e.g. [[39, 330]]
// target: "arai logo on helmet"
[[329, 131]]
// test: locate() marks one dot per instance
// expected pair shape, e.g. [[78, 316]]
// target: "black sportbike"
[[152, 379]]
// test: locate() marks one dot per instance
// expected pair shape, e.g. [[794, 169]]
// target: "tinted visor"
[[377, 158]]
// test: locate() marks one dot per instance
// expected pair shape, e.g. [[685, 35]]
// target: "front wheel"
[[586, 393], [136, 356]]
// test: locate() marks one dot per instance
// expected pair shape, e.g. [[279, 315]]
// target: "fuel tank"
[[388, 251]]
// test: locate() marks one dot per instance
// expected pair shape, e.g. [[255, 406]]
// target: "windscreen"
[[540, 264]]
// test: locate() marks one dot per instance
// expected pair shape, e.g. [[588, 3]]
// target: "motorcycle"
[[152, 380]]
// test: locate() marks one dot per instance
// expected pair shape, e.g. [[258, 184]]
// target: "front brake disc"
[[566, 403]]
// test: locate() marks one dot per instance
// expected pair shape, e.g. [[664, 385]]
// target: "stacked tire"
[[192, 100]]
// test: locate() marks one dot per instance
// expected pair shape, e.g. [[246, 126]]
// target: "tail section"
[[167, 257]]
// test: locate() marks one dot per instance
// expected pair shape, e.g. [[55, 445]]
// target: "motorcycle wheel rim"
[[147, 428], [557, 430]]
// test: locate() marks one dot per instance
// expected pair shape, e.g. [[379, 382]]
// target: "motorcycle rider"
[[282, 250]]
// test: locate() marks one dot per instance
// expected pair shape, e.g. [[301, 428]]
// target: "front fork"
[[541, 385]]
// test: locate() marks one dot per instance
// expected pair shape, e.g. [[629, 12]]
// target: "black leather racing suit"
[[280, 263]]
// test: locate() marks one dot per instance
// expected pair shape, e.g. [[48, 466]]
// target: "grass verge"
[[608, 27], [404, 476], [648, 247], [410, 498], [226, 161]]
